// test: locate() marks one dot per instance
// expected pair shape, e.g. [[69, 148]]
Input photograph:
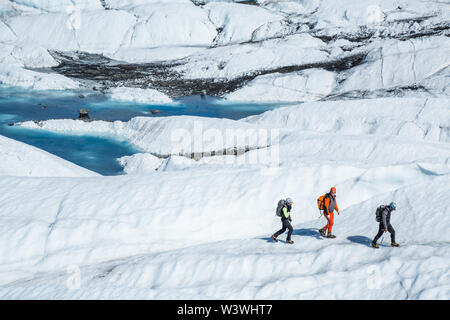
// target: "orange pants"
[[330, 219]]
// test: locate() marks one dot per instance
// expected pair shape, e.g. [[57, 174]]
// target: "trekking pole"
[[382, 238], [320, 216]]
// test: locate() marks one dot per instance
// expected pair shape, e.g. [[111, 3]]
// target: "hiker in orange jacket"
[[330, 205]]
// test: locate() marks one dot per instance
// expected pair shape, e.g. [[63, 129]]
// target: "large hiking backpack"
[[280, 206], [378, 213], [321, 201]]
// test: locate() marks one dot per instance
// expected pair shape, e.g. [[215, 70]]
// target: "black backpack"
[[378, 213], [280, 206]]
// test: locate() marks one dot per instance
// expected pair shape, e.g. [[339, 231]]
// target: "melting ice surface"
[[98, 153]]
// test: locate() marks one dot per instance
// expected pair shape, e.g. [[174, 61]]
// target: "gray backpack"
[[378, 213], [280, 206]]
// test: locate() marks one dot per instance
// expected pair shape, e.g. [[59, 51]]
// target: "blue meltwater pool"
[[99, 153]]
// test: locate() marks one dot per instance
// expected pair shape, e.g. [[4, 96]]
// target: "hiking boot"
[[374, 245], [274, 238], [394, 244], [289, 241], [330, 235], [322, 232]]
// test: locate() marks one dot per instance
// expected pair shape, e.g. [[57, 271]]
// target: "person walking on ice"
[[329, 205], [284, 210], [383, 216]]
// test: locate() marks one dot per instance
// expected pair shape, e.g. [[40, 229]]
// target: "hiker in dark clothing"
[[285, 220], [385, 225]]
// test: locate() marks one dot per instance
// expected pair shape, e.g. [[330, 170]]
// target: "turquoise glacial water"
[[98, 153]]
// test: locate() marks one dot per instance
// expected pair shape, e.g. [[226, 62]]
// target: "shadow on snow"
[[360, 239], [310, 232]]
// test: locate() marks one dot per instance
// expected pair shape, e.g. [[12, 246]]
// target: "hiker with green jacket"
[[285, 221]]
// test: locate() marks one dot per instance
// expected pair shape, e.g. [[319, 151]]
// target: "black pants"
[[380, 233], [286, 225]]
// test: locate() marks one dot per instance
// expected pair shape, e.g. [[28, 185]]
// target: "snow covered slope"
[[16, 76], [139, 95], [257, 269], [200, 229], [278, 48], [166, 239], [298, 134]]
